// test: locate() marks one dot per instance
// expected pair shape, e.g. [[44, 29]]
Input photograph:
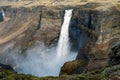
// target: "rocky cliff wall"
[[90, 23], [23, 27], [93, 23]]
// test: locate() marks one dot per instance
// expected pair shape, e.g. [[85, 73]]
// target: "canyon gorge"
[[79, 40]]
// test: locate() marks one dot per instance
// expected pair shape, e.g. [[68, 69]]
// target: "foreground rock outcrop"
[[73, 67]]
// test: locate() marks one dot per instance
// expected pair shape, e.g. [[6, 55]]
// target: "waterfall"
[[41, 60], [63, 47], [3, 13]]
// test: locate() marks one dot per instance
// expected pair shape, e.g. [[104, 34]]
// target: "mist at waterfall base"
[[39, 61], [45, 61]]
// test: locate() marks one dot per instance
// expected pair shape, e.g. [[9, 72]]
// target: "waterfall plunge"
[[63, 44], [45, 61]]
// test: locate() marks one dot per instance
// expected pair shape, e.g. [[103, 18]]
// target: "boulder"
[[73, 67]]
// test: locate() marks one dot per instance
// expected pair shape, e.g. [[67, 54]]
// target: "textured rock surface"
[[25, 26]]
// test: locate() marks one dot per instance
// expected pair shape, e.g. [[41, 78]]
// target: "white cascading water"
[[63, 43]]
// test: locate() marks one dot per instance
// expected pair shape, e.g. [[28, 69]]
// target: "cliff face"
[[22, 27], [89, 23], [92, 23]]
